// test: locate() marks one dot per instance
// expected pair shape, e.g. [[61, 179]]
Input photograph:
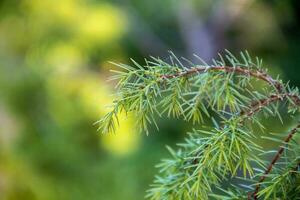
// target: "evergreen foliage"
[[210, 157]]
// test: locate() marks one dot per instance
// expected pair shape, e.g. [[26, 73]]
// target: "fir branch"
[[206, 158]]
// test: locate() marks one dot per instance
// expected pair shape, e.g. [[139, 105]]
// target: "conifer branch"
[[207, 157]]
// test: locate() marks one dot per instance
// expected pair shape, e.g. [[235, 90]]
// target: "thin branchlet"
[[274, 160], [256, 106], [239, 70]]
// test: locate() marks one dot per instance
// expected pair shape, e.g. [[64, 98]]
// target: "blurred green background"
[[53, 70]]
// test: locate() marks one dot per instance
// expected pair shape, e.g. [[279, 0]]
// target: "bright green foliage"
[[210, 157]]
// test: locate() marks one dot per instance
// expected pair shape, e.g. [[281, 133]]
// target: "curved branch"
[[247, 72], [274, 160], [254, 107], [260, 104]]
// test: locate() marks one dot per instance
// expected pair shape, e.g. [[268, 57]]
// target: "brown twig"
[[273, 162], [247, 72], [260, 104]]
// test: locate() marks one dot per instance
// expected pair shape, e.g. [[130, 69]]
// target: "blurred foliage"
[[53, 71]]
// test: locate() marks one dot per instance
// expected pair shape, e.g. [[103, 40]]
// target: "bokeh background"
[[53, 84]]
